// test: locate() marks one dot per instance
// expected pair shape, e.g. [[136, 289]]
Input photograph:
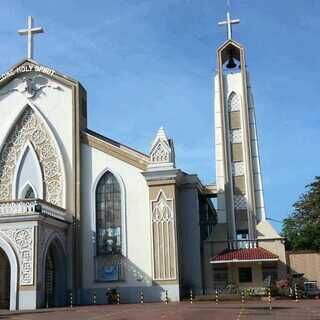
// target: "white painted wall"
[[220, 176], [56, 107], [136, 210]]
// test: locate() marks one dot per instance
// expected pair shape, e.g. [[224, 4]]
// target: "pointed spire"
[[162, 151], [161, 135]]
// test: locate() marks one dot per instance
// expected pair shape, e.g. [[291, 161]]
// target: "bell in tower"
[[231, 64]]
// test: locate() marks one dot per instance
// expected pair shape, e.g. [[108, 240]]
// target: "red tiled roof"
[[242, 255]]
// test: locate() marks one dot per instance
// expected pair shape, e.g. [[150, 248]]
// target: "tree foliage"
[[302, 227]]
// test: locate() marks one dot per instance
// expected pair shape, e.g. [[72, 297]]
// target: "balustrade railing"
[[32, 207], [242, 244]]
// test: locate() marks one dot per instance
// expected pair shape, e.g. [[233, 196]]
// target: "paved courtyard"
[[303, 310]]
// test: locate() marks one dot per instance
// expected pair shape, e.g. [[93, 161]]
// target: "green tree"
[[302, 227]]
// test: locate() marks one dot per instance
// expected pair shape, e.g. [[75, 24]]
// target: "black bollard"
[[166, 299], [269, 298], [242, 296], [296, 292], [47, 299], [71, 299]]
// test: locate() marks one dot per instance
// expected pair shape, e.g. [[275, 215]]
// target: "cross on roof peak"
[[29, 32], [229, 24]]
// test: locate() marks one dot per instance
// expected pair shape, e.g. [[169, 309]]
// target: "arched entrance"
[[4, 281], [55, 275]]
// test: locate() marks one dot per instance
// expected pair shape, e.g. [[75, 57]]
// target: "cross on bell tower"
[[229, 24], [29, 32], [240, 201]]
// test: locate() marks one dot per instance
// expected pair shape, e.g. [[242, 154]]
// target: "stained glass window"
[[108, 216]]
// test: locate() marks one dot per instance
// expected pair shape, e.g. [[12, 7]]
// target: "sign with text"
[[27, 68]]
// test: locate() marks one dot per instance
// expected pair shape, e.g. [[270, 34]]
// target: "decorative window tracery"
[[22, 240], [240, 202], [30, 128], [160, 154], [164, 254], [234, 102], [236, 136], [238, 168]]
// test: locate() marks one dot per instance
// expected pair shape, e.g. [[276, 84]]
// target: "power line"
[[274, 220]]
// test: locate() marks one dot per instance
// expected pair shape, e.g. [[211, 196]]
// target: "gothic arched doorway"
[[4, 280], [55, 276]]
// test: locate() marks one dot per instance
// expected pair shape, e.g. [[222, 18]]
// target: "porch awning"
[[244, 255]]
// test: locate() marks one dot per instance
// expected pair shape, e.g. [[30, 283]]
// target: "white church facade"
[[81, 214]]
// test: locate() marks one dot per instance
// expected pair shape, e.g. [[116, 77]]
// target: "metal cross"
[[29, 32], [229, 24]]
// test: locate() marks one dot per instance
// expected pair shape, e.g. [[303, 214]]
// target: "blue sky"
[[147, 63]]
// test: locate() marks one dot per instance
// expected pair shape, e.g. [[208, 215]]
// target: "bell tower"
[[240, 194]]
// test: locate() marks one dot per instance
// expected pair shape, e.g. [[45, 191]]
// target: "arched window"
[[29, 193], [234, 102], [108, 216]]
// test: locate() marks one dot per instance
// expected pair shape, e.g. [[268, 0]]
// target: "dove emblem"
[[30, 86]]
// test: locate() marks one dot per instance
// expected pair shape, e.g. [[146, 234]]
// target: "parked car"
[[311, 289]]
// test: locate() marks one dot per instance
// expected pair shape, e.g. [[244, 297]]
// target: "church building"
[[81, 214]]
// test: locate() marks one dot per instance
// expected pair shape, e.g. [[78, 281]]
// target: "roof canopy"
[[244, 255]]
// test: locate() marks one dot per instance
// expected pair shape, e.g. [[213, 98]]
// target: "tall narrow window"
[[108, 216]]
